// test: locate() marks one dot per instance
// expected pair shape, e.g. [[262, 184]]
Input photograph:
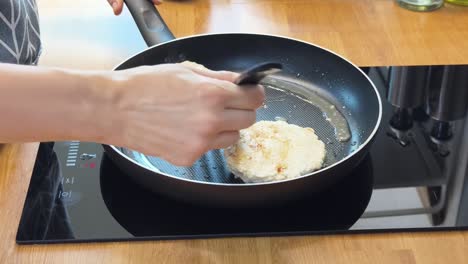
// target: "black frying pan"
[[309, 73]]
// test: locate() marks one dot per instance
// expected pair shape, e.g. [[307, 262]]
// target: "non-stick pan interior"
[[309, 71], [281, 104]]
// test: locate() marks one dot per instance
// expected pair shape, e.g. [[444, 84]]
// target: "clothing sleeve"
[[19, 32]]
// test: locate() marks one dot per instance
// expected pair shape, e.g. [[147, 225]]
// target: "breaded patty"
[[275, 150]]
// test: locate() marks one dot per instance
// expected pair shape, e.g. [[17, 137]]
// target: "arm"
[[42, 104], [174, 111]]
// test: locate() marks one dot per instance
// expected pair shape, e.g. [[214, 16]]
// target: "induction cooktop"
[[76, 194]]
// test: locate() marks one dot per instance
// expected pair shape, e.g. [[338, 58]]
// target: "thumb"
[[117, 6]]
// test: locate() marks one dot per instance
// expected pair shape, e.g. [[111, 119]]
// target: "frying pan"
[[310, 73]]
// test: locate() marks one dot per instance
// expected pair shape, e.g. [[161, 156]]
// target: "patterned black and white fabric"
[[19, 32]]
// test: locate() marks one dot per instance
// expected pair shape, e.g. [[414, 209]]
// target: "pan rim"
[[355, 152]]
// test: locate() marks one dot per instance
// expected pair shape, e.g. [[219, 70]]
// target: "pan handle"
[[150, 23]]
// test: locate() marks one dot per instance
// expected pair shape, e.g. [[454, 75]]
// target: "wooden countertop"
[[84, 34]]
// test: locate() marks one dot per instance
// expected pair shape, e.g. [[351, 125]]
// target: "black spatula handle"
[[256, 73]]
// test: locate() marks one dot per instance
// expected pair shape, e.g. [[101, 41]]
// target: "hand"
[[180, 111], [117, 5]]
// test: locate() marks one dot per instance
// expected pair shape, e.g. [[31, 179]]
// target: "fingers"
[[202, 70], [234, 120], [242, 98], [220, 75], [225, 139], [235, 97], [246, 99], [117, 6]]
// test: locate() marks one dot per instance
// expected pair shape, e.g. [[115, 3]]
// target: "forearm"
[[43, 104]]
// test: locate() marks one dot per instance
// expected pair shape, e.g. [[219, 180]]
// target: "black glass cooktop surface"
[[77, 194]]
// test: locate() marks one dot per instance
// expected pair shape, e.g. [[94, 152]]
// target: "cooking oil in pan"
[[280, 118], [330, 112]]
